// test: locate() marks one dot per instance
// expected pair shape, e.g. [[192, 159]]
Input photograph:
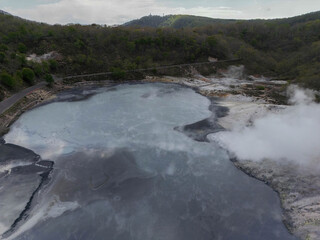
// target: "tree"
[[28, 75]]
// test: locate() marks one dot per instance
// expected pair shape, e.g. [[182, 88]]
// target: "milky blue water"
[[122, 172]]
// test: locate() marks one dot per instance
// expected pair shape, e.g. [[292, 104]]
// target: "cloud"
[[116, 12], [111, 11], [267, 9]]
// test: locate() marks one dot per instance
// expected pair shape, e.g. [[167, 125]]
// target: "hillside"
[[189, 21], [282, 48], [3, 12], [175, 21], [299, 19]]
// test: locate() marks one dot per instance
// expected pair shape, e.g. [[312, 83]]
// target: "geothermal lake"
[[125, 167]]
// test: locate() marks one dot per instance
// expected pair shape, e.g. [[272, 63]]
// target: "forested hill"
[[175, 21], [282, 48], [189, 21], [3, 12], [299, 19]]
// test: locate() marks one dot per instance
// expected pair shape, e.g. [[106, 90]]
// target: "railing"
[[150, 69]]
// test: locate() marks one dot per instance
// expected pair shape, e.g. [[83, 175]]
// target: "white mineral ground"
[[294, 176], [282, 150]]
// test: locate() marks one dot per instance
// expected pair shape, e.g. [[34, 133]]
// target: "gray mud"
[[200, 130], [129, 175], [22, 175]]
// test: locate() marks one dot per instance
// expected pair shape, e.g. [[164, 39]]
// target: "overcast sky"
[[119, 11]]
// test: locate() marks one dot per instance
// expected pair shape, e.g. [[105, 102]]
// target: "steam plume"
[[293, 134]]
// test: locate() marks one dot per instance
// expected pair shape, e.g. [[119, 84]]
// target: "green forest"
[[282, 48]]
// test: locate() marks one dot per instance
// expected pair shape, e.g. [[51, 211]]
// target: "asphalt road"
[[9, 102]]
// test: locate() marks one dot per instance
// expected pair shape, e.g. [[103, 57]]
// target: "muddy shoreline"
[[299, 192]]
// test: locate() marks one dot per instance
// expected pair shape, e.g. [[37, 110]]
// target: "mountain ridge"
[[4, 12], [181, 21], [175, 21]]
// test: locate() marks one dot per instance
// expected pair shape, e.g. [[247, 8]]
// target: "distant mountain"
[[299, 19], [187, 21], [3, 12], [175, 21]]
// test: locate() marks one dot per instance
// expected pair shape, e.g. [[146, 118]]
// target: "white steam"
[[300, 96], [293, 134]]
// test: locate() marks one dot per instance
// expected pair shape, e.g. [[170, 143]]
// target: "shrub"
[[212, 41], [28, 75], [45, 67], [53, 64], [154, 71], [18, 78], [118, 73], [49, 79], [22, 48], [2, 96], [13, 55], [37, 68], [19, 74], [3, 47], [2, 57], [7, 80], [131, 46], [79, 44], [80, 58], [22, 59], [260, 87]]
